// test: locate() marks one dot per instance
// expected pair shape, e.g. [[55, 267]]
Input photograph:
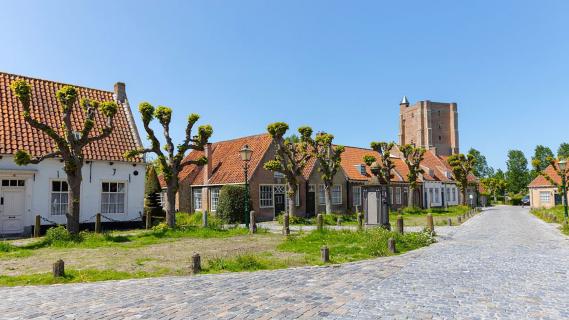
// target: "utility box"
[[375, 204]]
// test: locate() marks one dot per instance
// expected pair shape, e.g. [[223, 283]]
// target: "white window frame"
[[545, 197], [125, 192], [296, 196], [269, 202], [214, 201], [398, 195], [51, 193], [321, 195], [357, 200], [196, 191], [335, 189]]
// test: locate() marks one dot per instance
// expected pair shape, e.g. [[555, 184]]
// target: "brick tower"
[[432, 125]]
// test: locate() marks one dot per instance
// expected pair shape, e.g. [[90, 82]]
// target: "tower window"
[[440, 138]]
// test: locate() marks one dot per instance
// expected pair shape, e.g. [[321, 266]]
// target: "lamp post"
[[245, 154], [562, 168]]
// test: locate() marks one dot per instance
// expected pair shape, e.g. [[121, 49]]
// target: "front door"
[[12, 206], [311, 201], [279, 203]]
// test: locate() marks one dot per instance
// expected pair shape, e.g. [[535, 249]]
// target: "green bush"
[[294, 220], [184, 219], [6, 247], [231, 204], [516, 200], [160, 228], [60, 236]]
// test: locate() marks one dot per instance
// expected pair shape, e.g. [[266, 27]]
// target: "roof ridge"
[[241, 138], [52, 81]]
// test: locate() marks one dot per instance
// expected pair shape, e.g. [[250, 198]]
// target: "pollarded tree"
[[384, 168], [554, 163], [412, 156], [329, 157], [290, 157], [462, 166], [71, 142], [172, 162]]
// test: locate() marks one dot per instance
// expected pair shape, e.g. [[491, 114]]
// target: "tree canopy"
[[481, 168], [563, 151], [517, 175]]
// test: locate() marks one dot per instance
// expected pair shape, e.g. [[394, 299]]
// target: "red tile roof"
[[353, 156], [226, 162], [540, 181], [16, 134]]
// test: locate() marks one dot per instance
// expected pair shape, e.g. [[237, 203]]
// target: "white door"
[[12, 211]]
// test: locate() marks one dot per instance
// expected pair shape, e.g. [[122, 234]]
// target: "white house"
[[112, 185], [439, 186]]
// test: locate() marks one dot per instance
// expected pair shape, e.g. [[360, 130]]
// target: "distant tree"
[[541, 155], [481, 167], [413, 156], [329, 157], [383, 166], [563, 151], [152, 191], [290, 157], [517, 176], [172, 162], [494, 186], [462, 166], [69, 145]]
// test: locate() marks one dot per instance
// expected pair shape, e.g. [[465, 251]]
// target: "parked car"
[[525, 201]]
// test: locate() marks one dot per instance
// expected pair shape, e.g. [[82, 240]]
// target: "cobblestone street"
[[503, 263]]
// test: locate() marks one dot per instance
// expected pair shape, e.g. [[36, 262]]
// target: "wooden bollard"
[[286, 228], [449, 220], [325, 254], [459, 220], [196, 265], [98, 223], [148, 220], [360, 221], [391, 245], [400, 225], [430, 223], [59, 269], [252, 222], [319, 222], [204, 219], [37, 226]]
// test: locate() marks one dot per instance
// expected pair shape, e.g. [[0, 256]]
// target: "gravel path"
[[503, 263]]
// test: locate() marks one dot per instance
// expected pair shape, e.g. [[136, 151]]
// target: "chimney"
[[120, 92], [208, 167]]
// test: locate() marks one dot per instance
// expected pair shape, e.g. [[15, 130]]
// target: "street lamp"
[[245, 154], [562, 166]]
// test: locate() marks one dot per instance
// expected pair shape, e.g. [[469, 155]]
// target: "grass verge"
[[552, 215]]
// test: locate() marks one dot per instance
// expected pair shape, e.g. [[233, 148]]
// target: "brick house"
[[112, 185], [542, 193]]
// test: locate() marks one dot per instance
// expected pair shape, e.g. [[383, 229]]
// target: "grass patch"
[[418, 217], [346, 245], [73, 276], [329, 219], [244, 262], [552, 215]]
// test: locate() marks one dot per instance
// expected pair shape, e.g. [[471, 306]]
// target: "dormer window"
[[362, 169]]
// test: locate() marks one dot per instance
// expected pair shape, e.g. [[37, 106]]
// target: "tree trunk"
[[464, 196], [291, 194], [74, 179], [388, 195], [171, 206], [410, 197], [328, 198]]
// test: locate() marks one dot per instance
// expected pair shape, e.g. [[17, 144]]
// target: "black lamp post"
[[562, 168], [245, 154]]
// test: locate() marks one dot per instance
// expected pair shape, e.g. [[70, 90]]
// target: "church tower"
[[432, 125]]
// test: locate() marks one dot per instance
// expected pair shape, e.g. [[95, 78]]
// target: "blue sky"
[[338, 66]]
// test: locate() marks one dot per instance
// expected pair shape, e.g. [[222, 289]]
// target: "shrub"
[[160, 228], [294, 220], [231, 204], [184, 219], [60, 236], [516, 200], [6, 247]]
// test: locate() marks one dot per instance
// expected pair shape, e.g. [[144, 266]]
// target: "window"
[[430, 195], [113, 197], [321, 196], [336, 194], [544, 197], [357, 195], [13, 183], [437, 195], [266, 196], [453, 194], [214, 198], [391, 193], [59, 198], [448, 194], [398, 195], [197, 198]]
